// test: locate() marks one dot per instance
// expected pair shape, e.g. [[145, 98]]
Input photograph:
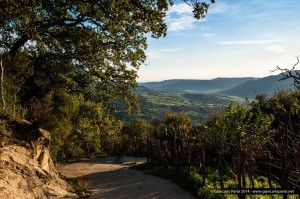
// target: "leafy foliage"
[[235, 145], [135, 136], [64, 62]]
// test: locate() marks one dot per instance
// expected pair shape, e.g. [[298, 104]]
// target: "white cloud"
[[276, 49], [208, 34], [242, 42], [181, 23], [180, 17], [181, 8]]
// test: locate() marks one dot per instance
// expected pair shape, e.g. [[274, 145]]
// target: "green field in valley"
[[154, 104]]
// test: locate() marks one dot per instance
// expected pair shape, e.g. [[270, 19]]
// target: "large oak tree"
[[79, 52], [104, 40]]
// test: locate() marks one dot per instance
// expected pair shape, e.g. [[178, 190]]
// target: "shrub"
[[81, 187]]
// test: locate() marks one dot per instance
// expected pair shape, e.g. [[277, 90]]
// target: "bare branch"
[[290, 73]]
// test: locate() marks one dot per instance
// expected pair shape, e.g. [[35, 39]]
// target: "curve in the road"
[[110, 178]]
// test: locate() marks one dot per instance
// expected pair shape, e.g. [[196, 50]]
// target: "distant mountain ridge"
[[200, 98], [241, 87], [267, 85], [196, 86]]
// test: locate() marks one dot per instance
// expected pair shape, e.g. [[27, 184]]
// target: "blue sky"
[[238, 38]]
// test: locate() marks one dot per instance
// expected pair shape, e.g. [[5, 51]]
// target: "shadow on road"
[[110, 178]]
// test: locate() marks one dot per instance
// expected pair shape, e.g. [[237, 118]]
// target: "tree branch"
[[18, 44], [290, 73]]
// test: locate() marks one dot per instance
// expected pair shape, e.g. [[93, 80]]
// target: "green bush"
[[191, 181], [230, 184], [81, 187]]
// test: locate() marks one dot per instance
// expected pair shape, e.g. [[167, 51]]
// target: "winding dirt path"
[[110, 178]]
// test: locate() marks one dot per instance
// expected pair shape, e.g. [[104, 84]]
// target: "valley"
[[197, 106], [200, 98]]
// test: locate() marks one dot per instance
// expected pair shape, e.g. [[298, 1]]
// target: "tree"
[[15, 77], [177, 129], [236, 136], [99, 38], [282, 144], [136, 135], [217, 139], [79, 48], [88, 50]]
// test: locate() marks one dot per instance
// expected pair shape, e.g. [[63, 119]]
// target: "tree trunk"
[[251, 179], [14, 105], [269, 173], [148, 156], [243, 171], [175, 150], [88, 149], [220, 161], [159, 152], [240, 164], [203, 165], [2, 89], [189, 157], [151, 152], [220, 169], [285, 160]]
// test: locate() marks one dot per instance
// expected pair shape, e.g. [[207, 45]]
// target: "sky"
[[237, 38]]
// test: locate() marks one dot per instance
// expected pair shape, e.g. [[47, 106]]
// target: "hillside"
[[240, 87], [197, 86], [267, 85]]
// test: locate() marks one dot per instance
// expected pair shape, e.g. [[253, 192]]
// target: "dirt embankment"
[[111, 178], [26, 170]]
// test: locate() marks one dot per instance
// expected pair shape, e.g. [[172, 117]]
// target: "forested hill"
[[267, 85], [197, 86], [240, 87]]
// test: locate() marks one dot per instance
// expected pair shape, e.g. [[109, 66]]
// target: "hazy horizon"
[[258, 77]]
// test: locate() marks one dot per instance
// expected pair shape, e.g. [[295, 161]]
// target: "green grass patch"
[[197, 106]]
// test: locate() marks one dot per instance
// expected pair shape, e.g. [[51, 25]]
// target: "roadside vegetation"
[[81, 187], [237, 148]]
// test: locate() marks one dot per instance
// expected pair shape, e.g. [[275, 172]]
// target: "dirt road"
[[110, 178]]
